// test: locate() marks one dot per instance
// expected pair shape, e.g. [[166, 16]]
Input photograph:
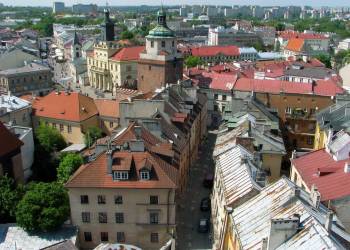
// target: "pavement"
[[188, 211]]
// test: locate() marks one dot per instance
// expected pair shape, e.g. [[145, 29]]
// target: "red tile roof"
[[128, 54], [59, 105], [332, 183], [94, 174], [288, 34], [8, 141], [322, 87], [107, 107], [295, 44], [215, 50]]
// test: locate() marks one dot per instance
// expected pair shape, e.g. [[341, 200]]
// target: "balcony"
[[300, 114], [99, 70]]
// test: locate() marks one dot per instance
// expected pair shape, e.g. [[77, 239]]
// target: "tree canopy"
[[49, 138], [325, 59], [68, 164], [44, 207], [126, 35], [193, 61], [10, 195], [91, 135]]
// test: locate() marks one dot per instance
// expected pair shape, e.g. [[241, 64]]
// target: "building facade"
[[130, 198]]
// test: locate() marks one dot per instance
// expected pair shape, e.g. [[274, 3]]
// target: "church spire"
[[76, 39]]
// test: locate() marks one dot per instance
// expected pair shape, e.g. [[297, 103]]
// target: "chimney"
[[315, 196], [282, 229], [313, 85], [346, 168], [109, 161], [264, 243], [138, 131], [329, 221], [296, 192]]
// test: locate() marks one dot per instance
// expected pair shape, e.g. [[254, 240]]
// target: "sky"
[[168, 2]]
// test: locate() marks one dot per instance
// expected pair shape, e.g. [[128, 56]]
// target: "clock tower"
[[161, 62]]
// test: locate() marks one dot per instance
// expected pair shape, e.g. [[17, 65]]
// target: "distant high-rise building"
[[184, 11], [58, 7], [84, 8]]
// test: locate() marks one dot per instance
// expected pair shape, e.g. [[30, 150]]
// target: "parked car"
[[208, 180], [203, 225], [205, 204]]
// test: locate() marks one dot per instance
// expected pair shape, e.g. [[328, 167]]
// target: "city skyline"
[[335, 3]]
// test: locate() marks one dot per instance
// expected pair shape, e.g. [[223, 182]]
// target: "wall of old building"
[[20, 117], [136, 208], [273, 163], [320, 138]]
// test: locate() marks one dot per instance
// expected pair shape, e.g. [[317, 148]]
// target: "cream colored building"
[[15, 110], [124, 196], [110, 66]]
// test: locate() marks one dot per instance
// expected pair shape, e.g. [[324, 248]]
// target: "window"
[[216, 96], [102, 217], [288, 110], [216, 108], [119, 218], [120, 175], [120, 237], [104, 236], [153, 199], [144, 175], [163, 44], [111, 124], [128, 68], [153, 218], [310, 140], [85, 217], [154, 237], [149, 67], [54, 125], [84, 199], [69, 128], [152, 44], [61, 127], [87, 236], [224, 97], [173, 43], [101, 199], [118, 199]]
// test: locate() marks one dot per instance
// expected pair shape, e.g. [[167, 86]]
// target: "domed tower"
[[107, 28], [160, 63]]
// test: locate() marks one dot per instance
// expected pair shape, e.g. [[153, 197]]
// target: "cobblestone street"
[[188, 212]]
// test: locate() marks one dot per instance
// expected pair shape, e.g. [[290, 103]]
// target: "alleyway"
[[188, 212]]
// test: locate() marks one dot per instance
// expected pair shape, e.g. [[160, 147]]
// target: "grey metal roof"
[[236, 174], [252, 219], [13, 237], [310, 72], [339, 141]]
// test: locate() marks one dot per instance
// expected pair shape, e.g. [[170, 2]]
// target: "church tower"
[[76, 48], [107, 28], [161, 62]]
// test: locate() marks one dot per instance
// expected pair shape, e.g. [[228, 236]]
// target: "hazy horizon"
[[334, 3]]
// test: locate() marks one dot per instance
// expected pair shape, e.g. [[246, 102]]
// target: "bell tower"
[[76, 47], [161, 62], [107, 27]]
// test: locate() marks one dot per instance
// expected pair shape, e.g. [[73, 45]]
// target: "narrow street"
[[188, 212]]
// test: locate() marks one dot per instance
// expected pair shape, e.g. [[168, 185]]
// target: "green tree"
[[259, 46], [193, 61], [44, 207], [9, 198], [91, 135], [126, 35], [49, 138], [325, 59], [68, 164]]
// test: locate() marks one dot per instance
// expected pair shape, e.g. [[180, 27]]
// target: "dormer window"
[[144, 175], [120, 175]]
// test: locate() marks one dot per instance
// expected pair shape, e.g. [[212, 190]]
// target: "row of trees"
[[42, 205]]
